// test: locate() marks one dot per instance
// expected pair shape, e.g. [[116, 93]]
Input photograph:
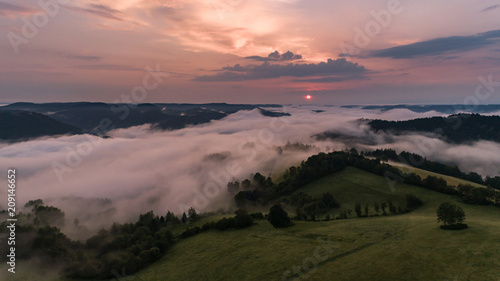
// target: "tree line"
[[421, 162], [131, 246], [259, 190]]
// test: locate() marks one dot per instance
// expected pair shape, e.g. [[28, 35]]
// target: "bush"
[[329, 201], [116, 261], [190, 232], [279, 217], [257, 216], [413, 202], [243, 219], [207, 226], [149, 256], [225, 223]]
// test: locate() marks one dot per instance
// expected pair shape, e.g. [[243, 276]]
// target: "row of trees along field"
[[421, 162], [261, 190], [131, 246], [136, 245]]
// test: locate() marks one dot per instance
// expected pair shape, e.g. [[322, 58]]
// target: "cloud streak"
[[440, 46], [490, 8], [276, 56], [100, 11], [8, 9]]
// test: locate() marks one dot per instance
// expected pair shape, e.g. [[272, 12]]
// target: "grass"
[[452, 181], [352, 186], [403, 247]]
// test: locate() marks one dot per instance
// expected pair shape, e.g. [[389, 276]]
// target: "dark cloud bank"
[[441, 46], [340, 68]]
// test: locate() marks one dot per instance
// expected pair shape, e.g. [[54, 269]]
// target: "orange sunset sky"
[[250, 51]]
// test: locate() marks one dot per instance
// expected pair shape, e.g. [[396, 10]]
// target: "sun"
[[308, 97]]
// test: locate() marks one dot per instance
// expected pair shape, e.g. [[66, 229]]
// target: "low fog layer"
[[100, 181]]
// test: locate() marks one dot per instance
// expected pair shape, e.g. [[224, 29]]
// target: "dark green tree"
[[192, 215], [383, 206], [413, 202], [450, 214], [184, 218], [278, 217], [34, 203], [170, 218], [392, 207], [357, 209], [243, 219], [329, 201], [48, 215]]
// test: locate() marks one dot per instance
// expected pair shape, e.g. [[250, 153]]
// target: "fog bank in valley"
[[100, 181]]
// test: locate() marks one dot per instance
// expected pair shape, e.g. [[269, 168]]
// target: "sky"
[[250, 51]]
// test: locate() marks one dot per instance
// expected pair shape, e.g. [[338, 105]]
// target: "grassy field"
[[353, 186], [423, 174], [403, 247]]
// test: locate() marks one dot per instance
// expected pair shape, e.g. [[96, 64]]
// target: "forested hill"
[[47, 119], [458, 128], [21, 125]]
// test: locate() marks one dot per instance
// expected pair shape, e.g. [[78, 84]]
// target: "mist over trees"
[[457, 128]]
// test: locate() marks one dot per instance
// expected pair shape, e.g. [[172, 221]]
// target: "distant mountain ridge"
[[457, 128], [18, 125], [441, 108], [87, 117]]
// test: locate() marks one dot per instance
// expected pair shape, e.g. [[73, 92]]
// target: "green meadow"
[[397, 247], [409, 247]]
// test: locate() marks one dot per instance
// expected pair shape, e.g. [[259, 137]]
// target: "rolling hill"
[[458, 128], [410, 246], [401, 247], [22, 125], [424, 173], [91, 116]]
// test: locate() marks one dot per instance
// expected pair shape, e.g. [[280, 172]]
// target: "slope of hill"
[[351, 186], [22, 125], [410, 246], [459, 128], [192, 116], [442, 108], [88, 116], [402, 247], [452, 181]]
